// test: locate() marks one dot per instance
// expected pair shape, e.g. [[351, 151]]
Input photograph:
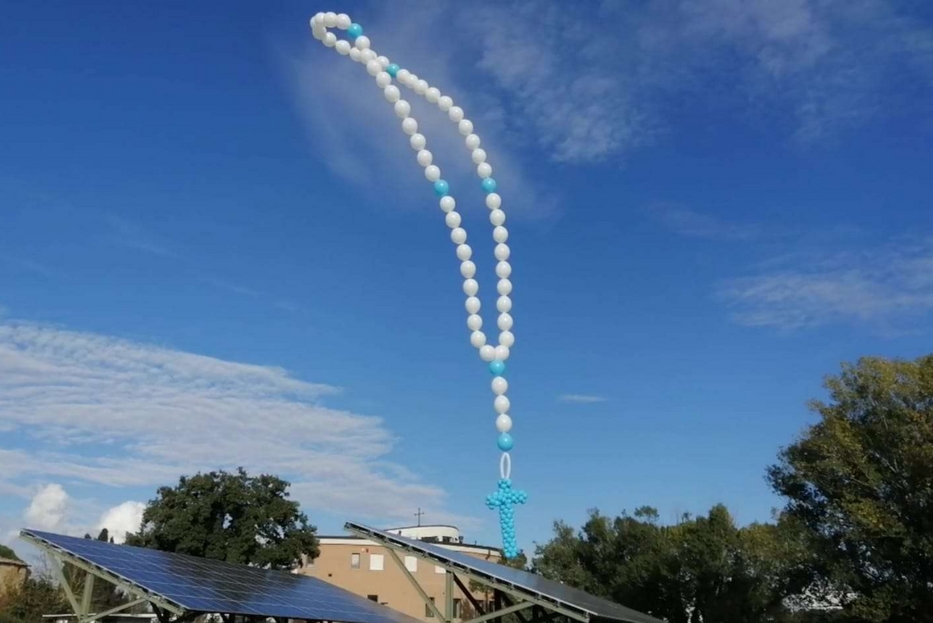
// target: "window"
[[354, 561], [411, 563], [376, 562], [456, 607], [373, 598], [428, 610], [439, 570]]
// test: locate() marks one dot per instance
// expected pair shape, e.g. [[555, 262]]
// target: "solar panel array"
[[203, 585], [530, 582]]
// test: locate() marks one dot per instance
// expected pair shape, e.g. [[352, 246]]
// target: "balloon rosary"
[[359, 49]]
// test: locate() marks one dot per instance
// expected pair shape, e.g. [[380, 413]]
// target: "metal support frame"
[[508, 602], [515, 608], [466, 593], [449, 595], [411, 579], [525, 598]]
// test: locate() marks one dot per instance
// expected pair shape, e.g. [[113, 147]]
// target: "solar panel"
[[528, 582], [203, 585]]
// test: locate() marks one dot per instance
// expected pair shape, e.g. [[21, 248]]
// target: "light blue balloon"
[[489, 185], [354, 31], [505, 442], [497, 367]]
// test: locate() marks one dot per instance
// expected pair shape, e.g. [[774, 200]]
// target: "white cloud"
[[48, 508], [581, 398], [123, 518], [885, 288], [693, 224], [119, 413]]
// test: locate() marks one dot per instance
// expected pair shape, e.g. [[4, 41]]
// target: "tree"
[[8, 553], [861, 481], [233, 517], [701, 569], [29, 601]]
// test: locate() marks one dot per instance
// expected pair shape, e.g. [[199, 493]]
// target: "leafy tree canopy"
[[233, 517], [861, 481], [8, 553]]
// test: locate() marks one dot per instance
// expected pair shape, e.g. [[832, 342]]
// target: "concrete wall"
[[11, 574], [377, 575]]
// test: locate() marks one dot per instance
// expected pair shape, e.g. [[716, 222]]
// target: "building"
[[12, 573], [369, 570], [111, 618]]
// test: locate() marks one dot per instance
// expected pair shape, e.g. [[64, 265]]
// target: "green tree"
[[701, 569], [861, 481], [233, 517], [8, 553], [29, 601]]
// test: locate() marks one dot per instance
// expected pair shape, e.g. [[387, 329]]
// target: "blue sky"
[[217, 249]]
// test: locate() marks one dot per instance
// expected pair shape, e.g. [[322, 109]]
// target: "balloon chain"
[[359, 49]]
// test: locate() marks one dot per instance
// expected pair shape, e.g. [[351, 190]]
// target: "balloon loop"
[[505, 466]]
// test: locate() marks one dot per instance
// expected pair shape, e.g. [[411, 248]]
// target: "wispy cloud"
[[887, 288], [27, 265], [687, 222], [124, 414], [126, 233], [581, 398]]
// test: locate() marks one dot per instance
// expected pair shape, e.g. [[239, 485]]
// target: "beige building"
[[369, 570], [12, 573]]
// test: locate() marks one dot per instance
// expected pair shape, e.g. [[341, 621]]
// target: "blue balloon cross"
[[504, 499]]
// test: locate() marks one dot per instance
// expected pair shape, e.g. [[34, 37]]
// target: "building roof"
[[11, 562]]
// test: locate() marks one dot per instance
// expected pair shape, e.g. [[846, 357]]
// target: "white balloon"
[[402, 75], [502, 352], [479, 156], [410, 80], [505, 322], [453, 220], [500, 234], [507, 339], [318, 30], [473, 304], [472, 142], [318, 18], [421, 87], [503, 270], [458, 236], [493, 201], [464, 252], [355, 54], [425, 157], [484, 170], [470, 287], [502, 252], [402, 108], [382, 78], [344, 47], [465, 127], [373, 68], [362, 42], [383, 61], [468, 270], [487, 353], [418, 142], [432, 173], [366, 56], [497, 217], [391, 92], [455, 114], [504, 287], [432, 95], [409, 125], [503, 423], [330, 39], [478, 339], [502, 404], [343, 21], [448, 203], [499, 385], [444, 103], [475, 322], [504, 304], [330, 19]]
